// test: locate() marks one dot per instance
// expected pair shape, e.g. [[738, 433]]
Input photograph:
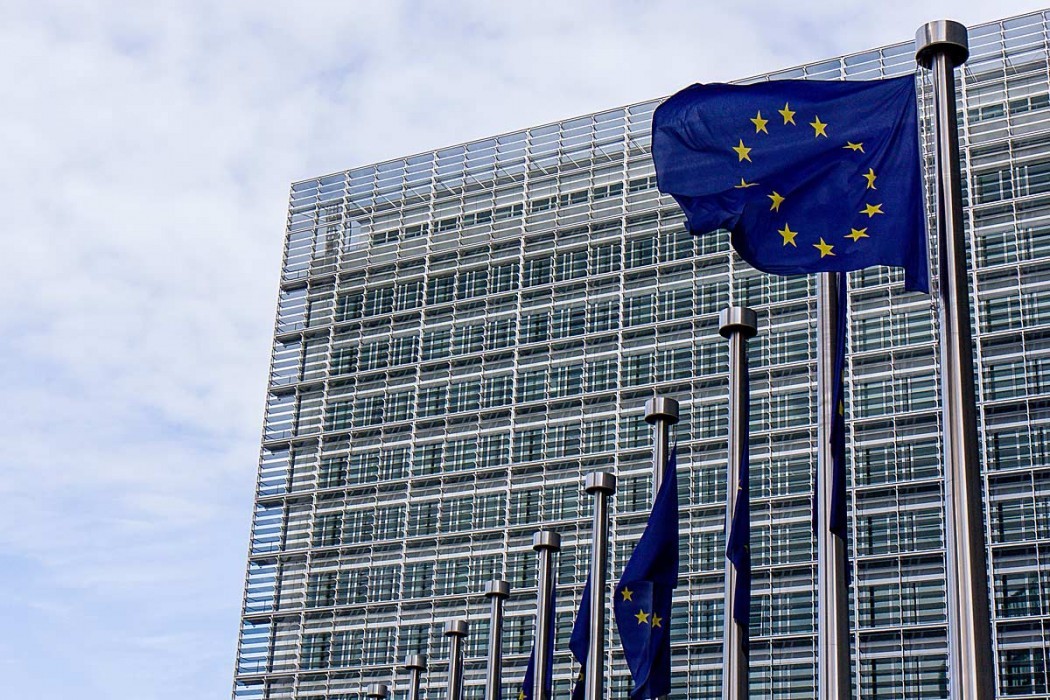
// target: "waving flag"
[[642, 599], [809, 176]]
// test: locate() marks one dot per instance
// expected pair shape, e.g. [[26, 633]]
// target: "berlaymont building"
[[462, 335]]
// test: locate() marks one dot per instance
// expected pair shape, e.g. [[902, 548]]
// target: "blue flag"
[[580, 639], [642, 599], [837, 434], [738, 543], [527, 683], [810, 176]]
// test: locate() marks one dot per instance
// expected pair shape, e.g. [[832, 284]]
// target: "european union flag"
[[642, 599], [809, 176], [738, 543], [527, 683], [580, 639]]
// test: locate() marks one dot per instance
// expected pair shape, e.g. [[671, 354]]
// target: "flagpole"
[[601, 485], [546, 543], [940, 47], [661, 412], [738, 324], [497, 590], [833, 663], [456, 630], [415, 664]]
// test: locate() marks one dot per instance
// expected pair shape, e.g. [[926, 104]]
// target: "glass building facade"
[[462, 335]]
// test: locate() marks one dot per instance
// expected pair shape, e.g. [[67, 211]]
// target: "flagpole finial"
[[497, 588], [378, 691], [456, 628], [942, 36], [737, 319], [546, 539], [661, 408], [600, 482], [416, 662]]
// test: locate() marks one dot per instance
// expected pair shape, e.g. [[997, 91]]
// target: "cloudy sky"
[[146, 151]]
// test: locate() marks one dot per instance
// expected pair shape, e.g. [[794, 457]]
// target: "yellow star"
[[872, 209], [742, 151], [657, 620], [854, 146], [777, 200], [870, 177], [521, 695], [627, 593], [789, 116], [818, 127], [824, 248], [744, 184], [788, 235], [857, 233], [760, 123], [642, 617]]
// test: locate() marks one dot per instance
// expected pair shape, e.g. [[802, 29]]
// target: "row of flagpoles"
[[641, 600], [648, 579]]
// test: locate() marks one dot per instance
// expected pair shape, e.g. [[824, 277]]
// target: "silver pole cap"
[[737, 319], [600, 482], [661, 408], [497, 588], [942, 36], [416, 662], [377, 690], [546, 539], [456, 628]]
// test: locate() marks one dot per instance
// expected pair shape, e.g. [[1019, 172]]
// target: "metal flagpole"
[[378, 691], [833, 666], [498, 591], [415, 664], [940, 47], [738, 324], [661, 413], [601, 485], [456, 630], [546, 543]]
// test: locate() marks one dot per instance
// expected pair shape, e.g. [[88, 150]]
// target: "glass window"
[[441, 290], [497, 391], [504, 278], [570, 265], [538, 271]]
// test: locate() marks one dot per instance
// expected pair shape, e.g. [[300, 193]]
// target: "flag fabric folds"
[[642, 598], [809, 176], [837, 434], [526, 683], [580, 639], [529, 680], [738, 542]]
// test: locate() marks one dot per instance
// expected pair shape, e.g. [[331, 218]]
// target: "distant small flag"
[[528, 682], [738, 543], [642, 599], [580, 639], [810, 176]]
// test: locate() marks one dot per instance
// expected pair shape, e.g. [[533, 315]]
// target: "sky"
[[146, 152]]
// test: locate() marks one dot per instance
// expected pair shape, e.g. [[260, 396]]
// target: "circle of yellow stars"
[[820, 130]]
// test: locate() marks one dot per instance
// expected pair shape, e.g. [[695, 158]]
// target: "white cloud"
[[148, 149]]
